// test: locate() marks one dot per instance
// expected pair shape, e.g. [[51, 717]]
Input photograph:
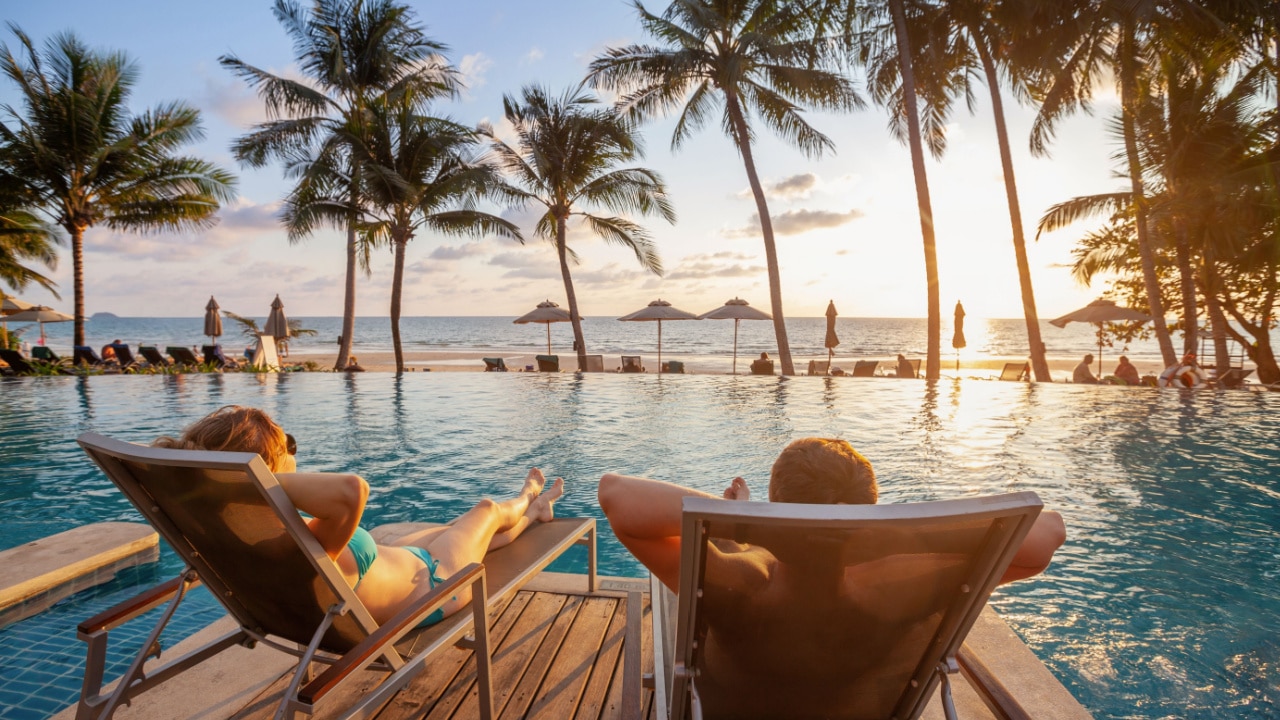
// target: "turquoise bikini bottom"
[[431, 564]]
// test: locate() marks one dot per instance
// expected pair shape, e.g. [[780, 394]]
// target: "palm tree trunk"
[[575, 319], [933, 362], [741, 137], [349, 294], [1190, 308], [77, 274], [1217, 324], [1039, 364], [397, 283], [1129, 106]]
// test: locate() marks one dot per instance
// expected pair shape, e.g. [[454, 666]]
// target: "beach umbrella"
[[1099, 312], [658, 310], [9, 306], [546, 313], [737, 310], [212, 320], [957, 339], [277, 324], [39, 314], [831, 341]]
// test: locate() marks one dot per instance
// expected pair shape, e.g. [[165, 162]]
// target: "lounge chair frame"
[[595, 363], [632, 364], [865, 368], [1015, 371], [674, 651], [182, 355], [346, 638], [548, 363]]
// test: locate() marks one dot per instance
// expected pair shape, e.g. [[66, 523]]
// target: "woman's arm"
[[334, 500], [645, 517]]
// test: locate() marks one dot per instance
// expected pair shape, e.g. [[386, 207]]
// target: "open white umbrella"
[[9, 306], [39, 314], [546, 313], [212, 320], [658, 310], [1099, 312], [737, 310]]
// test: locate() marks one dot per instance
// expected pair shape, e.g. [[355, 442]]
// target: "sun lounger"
[[865, 368], [761, 367], [673, 366], [915, 369], [213, 356], [595, 363], [819, 367], [16, 362], [182, 355], [152, 355], [494, 364], [124, 356], [1015, 371], [548, 363], [45, 354], [84, 355], [264, 357], [632, 364], [920, 572], [1232, 378], [228, 519]]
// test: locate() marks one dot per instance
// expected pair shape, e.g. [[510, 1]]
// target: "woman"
[[385, 577]]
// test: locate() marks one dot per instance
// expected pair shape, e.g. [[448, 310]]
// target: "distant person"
[[26, 349], [353, 365], [762, 365], [1082, 374], [905, 368], [109, 352], [1186, 373], [1127, 372]]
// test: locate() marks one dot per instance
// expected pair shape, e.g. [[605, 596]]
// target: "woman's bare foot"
[[737, 490], [533, 484], [542, 508]]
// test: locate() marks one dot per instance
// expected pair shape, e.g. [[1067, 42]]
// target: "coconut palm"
[[24, 239], [748, 61], [567, 159], [84, 160], [419, 174], [350, 52]]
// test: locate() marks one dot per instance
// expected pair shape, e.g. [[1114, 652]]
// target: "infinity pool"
[[1163, 603]]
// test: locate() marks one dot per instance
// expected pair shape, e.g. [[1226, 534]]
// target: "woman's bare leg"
[[542, 509]]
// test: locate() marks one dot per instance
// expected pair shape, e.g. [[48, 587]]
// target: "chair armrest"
[[133, 607], [391, 631]]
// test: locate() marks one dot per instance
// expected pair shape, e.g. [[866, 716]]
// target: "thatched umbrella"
[[737, 310], [212, 321], [546, 313], [658, 310]]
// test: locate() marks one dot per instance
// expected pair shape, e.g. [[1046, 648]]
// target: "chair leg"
[[631, 658], [945, 668], [289, 706], [483, 651]]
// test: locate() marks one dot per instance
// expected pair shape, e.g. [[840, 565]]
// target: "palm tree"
[[23, 239], [742, 58], [351, 51], [418, 174], [567, 159], [84, 160]]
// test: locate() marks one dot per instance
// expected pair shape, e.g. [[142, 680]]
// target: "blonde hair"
[[822, 470], [234, 428]]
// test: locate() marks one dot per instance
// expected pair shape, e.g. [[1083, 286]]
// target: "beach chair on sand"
[[45, 355], [819, 367], [494, 364], [152, 355], [632, 364], [182, 355], [548, 363], [16, 362], [228, 519], [213, 356], [1015, 371], [673, 366], [84, 355], [865, 368], [595, 363], [915, 369], [916, 577], [124, 356]]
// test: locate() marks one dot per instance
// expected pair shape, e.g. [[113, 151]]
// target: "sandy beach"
[[437, 361]]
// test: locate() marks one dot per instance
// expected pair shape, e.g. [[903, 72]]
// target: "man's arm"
[[1046, 536]]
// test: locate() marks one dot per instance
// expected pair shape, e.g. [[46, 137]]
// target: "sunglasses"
[[290, 444]]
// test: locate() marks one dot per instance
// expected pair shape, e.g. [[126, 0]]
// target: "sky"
[[846, 224]]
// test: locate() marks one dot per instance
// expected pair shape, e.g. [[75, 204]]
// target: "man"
[[1127, 372], [1082, 374], [905, 368]]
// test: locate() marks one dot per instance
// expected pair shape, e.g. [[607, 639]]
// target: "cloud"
[[245, 215], [474, 68], [234, 101], [796, 222], [611, 275], [534, 55], [707, 270], [540, 266], [796, 187], [457, 252]]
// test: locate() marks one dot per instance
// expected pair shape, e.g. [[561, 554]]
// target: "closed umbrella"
[[1099, 312], [658, 310], [957, 339], [546, 313], [831, 341], [212, 320], [39, 314], [736, 309]]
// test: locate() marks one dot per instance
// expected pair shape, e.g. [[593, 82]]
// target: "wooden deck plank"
[[511, 655], [527, 689], [425, 693], [567, 676], [613, 709], [607, 663]]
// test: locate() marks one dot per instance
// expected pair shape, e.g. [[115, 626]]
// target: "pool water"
[[1163, 602]]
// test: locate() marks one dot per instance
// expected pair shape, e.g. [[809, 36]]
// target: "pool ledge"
[[42, 572]]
